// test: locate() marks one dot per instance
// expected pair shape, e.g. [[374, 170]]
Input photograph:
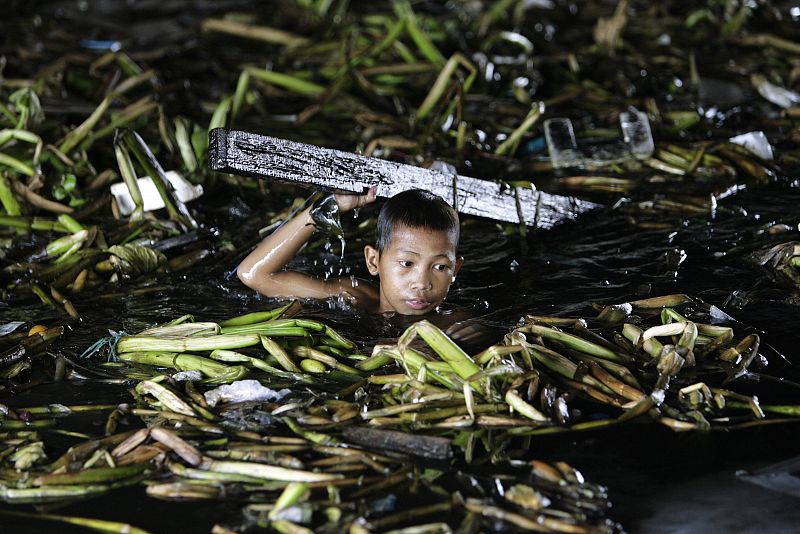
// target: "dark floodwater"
[[660, 481]]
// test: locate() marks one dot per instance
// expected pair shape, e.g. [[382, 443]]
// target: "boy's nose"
[[422, 282]]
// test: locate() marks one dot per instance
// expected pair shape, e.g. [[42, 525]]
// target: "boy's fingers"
[[371, 195]]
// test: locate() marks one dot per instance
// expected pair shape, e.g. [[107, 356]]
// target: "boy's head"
[[415, 252]]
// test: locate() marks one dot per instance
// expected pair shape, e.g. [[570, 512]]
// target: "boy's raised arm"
[[262, 269]]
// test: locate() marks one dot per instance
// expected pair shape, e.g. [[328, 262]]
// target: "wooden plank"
[[249, 154]]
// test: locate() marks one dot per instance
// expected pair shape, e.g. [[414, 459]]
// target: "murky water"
[[651, 471], [660, 481]]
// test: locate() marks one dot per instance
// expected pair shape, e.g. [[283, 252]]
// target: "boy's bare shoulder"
[[361, 293]]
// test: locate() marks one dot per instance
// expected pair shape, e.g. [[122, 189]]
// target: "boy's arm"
[[262, 269]]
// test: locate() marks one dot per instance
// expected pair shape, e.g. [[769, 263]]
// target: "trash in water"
[[10, 327], [755, 142], [184, 191], [187, 376], [243, 391], [780, 96], [636, 143], [636, 133]]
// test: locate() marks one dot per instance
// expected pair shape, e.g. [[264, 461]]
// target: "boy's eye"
[[441, 267], [405, 263]]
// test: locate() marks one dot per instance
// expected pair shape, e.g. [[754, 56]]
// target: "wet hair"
[[415, 208]]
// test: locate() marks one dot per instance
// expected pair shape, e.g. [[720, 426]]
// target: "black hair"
[[415, 208]]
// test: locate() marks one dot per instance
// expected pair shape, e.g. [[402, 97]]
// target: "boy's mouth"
[[416, 304]]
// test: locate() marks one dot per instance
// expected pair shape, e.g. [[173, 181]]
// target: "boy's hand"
[[350, 202]]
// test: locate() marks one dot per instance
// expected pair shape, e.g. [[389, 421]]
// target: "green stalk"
[[420, 38], [20, 223], [70, 223], [792, 410], [459, 361], [168, 398], [335, 339], [182, 330], [255, 317], [523, 408], [64, 256], [99, 525], [181, 362], [272, 330], [715, 331], [670, 301], [77, 135], [510, 144], [286, 81], [49, 493], [7, 198], [554, 361], [218, 118], [47, 225], [292, 493], [91, 476], [185, 144], [63, 244], [242, 85], [189, 344], [17, 165], [266, 34], [374, 362], [207, 476], [129, 177], [233, 356], [150, 164], [439, 87], [277, 352], [574, 342], [129, 114], [265, 472], [330, 361]]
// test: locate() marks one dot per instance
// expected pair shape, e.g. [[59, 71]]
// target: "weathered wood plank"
[[249, 154]]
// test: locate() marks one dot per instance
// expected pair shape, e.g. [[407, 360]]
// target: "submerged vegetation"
[[317, 453], [412, 434]]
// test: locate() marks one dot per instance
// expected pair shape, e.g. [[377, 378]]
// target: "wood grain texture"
[[249, 154]]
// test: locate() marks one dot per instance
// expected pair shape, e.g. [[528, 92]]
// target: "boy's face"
[[415, 270]]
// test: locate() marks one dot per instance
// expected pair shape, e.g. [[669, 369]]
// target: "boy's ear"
[[372, 257], [459, 263]]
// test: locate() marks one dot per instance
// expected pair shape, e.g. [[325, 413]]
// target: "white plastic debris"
[[718, 316], [637, 142], [187, 376], [10, 327], [755, 142], [780, 96], [243, 391], [636, 133], [184, 191]]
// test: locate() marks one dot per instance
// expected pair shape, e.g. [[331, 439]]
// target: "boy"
[[414, 256]]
